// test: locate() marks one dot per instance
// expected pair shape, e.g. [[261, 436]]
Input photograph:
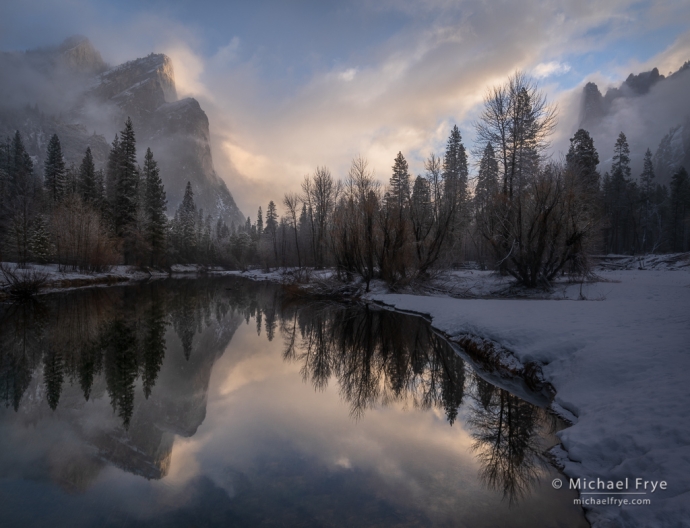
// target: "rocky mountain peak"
[[79, 55], [139, 86], [595, 107]]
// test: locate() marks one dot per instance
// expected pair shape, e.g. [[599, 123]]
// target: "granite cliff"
[[70, 91]]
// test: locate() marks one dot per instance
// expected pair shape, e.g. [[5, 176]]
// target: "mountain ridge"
[[93, 101]]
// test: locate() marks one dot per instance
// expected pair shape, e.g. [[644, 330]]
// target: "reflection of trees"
[[53, 375], [121, 368], [153, 343], [377, 356], [506, 438], [185, 311], [119, 333]]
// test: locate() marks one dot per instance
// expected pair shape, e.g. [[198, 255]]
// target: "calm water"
[[218, 403]]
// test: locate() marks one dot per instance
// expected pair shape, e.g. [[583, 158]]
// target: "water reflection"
[[151, 349], [379, 357]]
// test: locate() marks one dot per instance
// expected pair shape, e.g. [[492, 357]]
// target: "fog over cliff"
[[70, 91], [651, 109]]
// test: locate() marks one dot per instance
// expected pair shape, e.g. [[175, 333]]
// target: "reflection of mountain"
[[82, 349], [84, 101]]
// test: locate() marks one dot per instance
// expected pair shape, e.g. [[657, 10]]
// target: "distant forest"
[[522, 212]]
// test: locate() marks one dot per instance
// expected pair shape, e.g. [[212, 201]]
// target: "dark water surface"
[[215, 402]]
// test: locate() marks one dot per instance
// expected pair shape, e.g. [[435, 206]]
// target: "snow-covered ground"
[[620, 364], [54, 279]]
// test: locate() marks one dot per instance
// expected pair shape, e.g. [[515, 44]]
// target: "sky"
[[292, 85]]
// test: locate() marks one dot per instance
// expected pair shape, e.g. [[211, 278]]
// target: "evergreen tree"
[[619, 200], [647, 195], [90, 363], [259, 223], [647, 176], [155, 204], [271, 218], [88, 185], [54, 172], [112, 175], [455, 175], [621, 159], [272, 227], [186, 215], [399, 183], [679, 225], [487, 179], [121, 368], [153, 345], [582, 158], [53, 376], [22, 195], [39, 244], [455, 171], [422, 214], [127, 182]]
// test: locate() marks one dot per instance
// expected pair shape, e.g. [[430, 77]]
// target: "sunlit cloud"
[[550, 69], [376, 78]]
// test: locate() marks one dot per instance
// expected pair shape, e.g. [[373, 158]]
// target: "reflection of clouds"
[[184, 464], [397, 453], [280, 412]]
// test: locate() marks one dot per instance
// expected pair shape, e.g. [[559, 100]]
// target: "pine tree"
[[422, 214], [23, 192], [647, 176], [259, 223], [153, 345], [186, 215], [21, 165], [54, 172], [582, 158], [271, 218], [272, 227], [127, 182], [621, 158], [399, 193], [618, 200], [53, 376], [455, 171], [155, 204], [487, 178], [112, 175], [88, 186], [679, 225]]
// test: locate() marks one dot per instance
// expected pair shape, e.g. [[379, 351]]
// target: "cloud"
[[373, 79], [550, 69]]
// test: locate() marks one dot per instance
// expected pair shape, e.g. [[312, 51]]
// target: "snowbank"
[[620, 364]]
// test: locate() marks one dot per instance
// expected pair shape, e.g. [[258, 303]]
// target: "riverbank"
[[619, 364], [51, 279]]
